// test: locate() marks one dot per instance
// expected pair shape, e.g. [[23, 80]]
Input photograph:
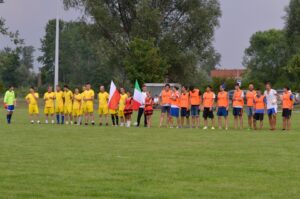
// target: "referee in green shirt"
[[10, 103]]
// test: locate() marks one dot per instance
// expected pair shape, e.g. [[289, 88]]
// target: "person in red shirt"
[[128, 109], [148, 108], [287, 106], [251, 93], [208, 107]]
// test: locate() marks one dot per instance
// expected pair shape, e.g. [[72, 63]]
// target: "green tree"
[[292, 25], [144, 62], [267, 56], [9, 63], [182, 30]]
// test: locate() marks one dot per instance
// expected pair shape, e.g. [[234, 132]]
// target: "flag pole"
[[56, 69]]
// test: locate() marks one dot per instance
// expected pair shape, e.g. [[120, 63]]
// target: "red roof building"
[[228, 73]]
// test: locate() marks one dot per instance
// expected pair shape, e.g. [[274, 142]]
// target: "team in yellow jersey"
[[88, 98], [59, 105], [49, 98], [122, 103], [33, 109], [68, 104], [103, 98], [77, 103]]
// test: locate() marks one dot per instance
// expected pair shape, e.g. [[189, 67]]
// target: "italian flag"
[[114, 97], [138, 97]]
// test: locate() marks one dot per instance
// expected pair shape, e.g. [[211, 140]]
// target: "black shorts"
[[258, 116], [166, 109], [286, 113], [184, 112], [207, 113]]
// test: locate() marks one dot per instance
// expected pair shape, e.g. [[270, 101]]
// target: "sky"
[[240, 19]]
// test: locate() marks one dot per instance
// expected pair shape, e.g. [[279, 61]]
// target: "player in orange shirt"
[[223, 106], [238, 104], [175, 104], [287, 106], [165, 102], [185, 107], [251, 93], [208, 107]]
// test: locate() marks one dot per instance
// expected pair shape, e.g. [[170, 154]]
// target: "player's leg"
[[139, 116], [212, 117], [162, 116]]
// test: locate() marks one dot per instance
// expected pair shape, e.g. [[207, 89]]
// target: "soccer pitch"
[[54, 161]]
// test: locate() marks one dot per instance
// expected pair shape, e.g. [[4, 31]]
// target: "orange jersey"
[[208, 99], [238, 99], [166, 97], [195, 97], [250, 97], [175, 99], [259, 102], [184, 100], [287, 101], [223, 99]]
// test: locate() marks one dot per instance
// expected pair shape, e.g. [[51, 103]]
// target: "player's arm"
[[5, 100], [214, 102]]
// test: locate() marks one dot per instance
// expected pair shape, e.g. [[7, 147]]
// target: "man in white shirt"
[[141, 108], [271, 98]]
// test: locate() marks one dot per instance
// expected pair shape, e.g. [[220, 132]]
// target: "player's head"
[[286, 89], [183, 89], [251, 87], [58, 88], [167, 87], [268, 85], [83, 88], [128, 93], [122, 90], [76, 90], [102, 88], [11, 88], [258, 92], [175, 88], [144, 88], [88, 86], [66, 87], [192, 88], [208, 88], [148, 94], [31, 89], [222, 87], [237, 86], [49, 89]]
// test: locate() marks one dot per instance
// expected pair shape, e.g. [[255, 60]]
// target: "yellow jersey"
[[77, 101], [31, 98], [122, 101], [68, 97], [89, 94], [49, 99], [59, 99], [103, 99]]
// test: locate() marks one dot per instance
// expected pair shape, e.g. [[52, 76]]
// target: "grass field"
[[50, 161]]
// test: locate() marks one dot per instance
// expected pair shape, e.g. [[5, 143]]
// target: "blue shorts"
[[10, 108], [271, 111], [250, 111], [237, 111], [222, 112], [174, 112], [165, 109], [185, 112], [195, 110]]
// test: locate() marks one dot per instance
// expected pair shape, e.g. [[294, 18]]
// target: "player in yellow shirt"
[[33, 109], [68, 99], [103, 97], [49, 97], [83, 105], [122, 102], [77, 101], [59, 105], [88, 98]]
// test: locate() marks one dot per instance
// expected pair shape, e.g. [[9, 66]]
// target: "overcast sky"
[[240, 19]]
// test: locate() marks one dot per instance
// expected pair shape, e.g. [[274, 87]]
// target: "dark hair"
[[287, 88], [268, 83], [167, 85], [209, 86], [87, 83], [32, 87], [176, 87], [66, 86], [192, 88], [237, 84]]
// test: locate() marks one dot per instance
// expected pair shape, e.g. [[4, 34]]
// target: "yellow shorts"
[[89, 108], [112, 112], [49, 110], [77, 112], [121, 113], [103, 110], [59, 109], [68, 109], [33, 109]]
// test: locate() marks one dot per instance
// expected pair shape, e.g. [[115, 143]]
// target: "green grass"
[[46, 161]]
